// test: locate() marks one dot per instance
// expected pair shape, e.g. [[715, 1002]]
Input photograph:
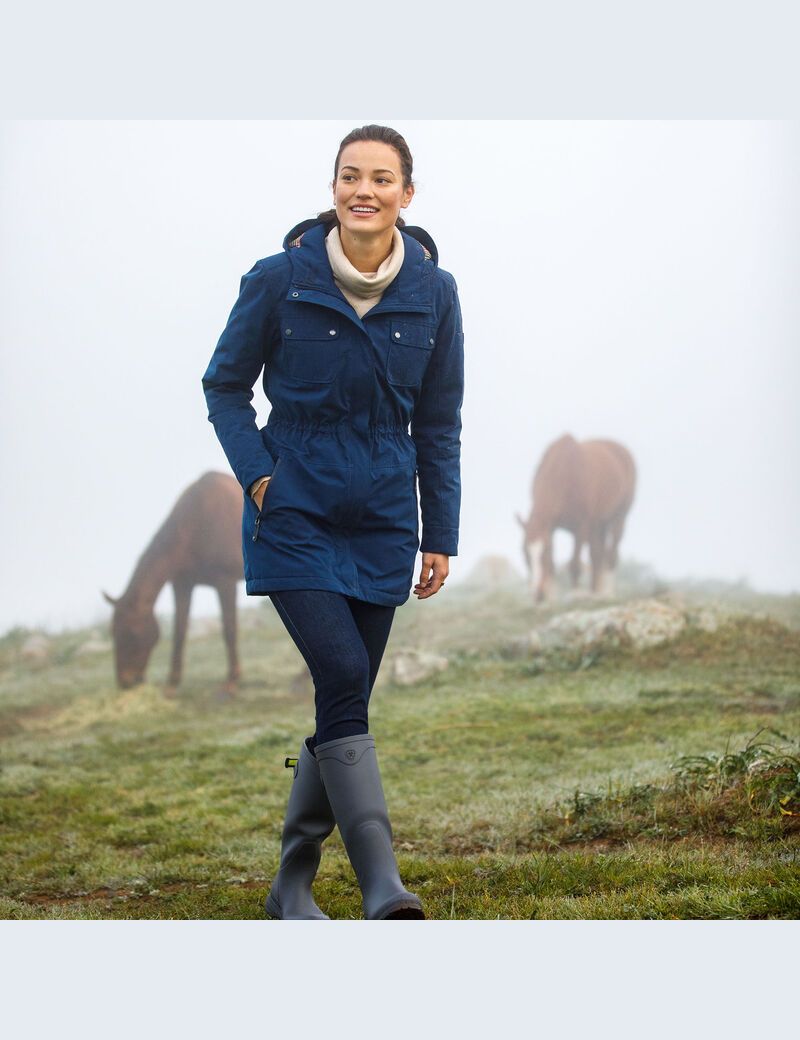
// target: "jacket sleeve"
[[436, 431], [237, 362]]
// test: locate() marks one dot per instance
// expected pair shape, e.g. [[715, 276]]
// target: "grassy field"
[[660, 783]]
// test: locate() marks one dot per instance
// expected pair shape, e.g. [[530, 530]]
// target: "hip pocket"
[[267, 498]]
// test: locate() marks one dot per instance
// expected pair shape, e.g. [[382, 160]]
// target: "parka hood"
[[417, 233]]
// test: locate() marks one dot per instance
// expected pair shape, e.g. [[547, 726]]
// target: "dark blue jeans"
[[342, 640]]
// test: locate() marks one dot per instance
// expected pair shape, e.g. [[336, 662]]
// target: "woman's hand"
[[258, 497], [435, 568]]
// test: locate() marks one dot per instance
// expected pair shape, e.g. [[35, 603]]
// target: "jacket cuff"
[[439, 540], [254, 471]]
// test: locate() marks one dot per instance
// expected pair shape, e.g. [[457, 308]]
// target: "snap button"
[[288, 332], [397, 335], [332, 332], [431, 342], [295, 294]]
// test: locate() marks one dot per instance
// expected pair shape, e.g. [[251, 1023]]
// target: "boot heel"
[[272, 908]]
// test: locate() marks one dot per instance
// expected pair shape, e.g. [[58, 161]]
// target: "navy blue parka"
[[365, 413]]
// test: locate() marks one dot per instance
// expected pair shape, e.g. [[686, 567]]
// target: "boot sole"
[[403, 908]]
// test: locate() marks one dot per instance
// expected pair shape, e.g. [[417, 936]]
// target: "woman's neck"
[[366, 252]]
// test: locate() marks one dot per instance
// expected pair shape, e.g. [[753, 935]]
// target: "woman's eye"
[[350, 177]]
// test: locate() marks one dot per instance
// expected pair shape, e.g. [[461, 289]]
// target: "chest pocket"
[[312, 348], [410, 349]]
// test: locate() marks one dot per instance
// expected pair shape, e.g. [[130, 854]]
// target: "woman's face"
[[369, 176]]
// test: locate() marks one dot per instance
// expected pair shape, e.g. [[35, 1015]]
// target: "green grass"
[[601, 784]]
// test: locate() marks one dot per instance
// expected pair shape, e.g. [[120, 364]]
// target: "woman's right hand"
[[258, 497]]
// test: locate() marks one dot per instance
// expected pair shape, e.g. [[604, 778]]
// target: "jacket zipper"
[[264, 499]]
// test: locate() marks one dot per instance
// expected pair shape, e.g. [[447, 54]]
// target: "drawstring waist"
[[378, 445], [324, 427]]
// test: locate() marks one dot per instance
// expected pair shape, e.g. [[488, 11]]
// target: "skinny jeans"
[[342, 640]]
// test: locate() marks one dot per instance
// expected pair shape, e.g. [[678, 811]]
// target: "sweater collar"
[[312, 274], [367, 284]]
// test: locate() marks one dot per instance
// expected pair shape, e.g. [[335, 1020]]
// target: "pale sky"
[[633, 280]]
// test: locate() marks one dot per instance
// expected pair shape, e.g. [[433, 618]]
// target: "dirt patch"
[[23, 719], [106, 894]]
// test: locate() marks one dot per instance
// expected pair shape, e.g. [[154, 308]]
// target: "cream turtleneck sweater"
[[361, 289]]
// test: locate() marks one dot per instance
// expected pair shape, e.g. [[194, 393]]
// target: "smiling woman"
[[358, 331]]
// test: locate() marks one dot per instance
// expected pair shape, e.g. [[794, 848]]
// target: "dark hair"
[[373, 132]]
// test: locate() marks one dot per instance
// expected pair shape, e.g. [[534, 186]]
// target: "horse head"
[[135, 632]]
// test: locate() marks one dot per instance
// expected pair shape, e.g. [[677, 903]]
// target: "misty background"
[[626, 279]]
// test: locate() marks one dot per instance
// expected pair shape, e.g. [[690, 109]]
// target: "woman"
[[359, 333]]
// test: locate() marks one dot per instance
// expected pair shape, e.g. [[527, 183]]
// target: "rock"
[[708, 619], [641, 622], [651, 623], [412, 666], [37, 647], [93, 645]]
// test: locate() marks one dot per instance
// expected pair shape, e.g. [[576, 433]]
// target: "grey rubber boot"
[[349, 770], [309, 820]]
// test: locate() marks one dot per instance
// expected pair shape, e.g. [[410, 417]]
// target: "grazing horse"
[[199, 543], [586, 488]]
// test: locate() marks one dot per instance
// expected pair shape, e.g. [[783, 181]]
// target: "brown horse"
[[199, 543], [586, 488]]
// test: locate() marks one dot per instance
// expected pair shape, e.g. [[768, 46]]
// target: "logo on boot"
[[350, 754]]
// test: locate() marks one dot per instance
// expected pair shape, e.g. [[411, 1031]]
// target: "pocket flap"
[[309, 328], [412, 335]]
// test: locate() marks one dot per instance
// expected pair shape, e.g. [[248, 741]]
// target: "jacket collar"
[[411, 289]]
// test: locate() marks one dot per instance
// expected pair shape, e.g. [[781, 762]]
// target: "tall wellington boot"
[[309, 820], [349, 770]]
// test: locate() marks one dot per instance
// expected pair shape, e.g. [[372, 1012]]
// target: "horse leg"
[[182, 589], [616, 528], [597, 541], [575, 565], [547, 584], [227, 601]]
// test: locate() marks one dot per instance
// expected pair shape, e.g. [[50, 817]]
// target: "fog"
[[633, 280]]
